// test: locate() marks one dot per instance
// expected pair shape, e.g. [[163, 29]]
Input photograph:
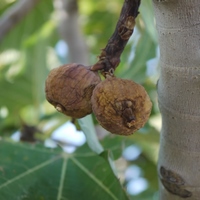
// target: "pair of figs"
[[120, 106]]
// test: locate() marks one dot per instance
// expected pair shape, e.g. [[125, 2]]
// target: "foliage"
[[47, 174], [27, 54]]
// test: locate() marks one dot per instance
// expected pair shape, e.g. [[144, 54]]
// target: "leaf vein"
[[94, 178], [62, 178], [28, 172]]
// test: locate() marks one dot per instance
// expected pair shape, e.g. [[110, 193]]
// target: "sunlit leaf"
[[24, 86], [28, 25], [28, 87]]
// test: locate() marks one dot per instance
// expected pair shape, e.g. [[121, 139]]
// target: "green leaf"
[[115, 144], [25, 87], [32, 22], [144, 51], [108, 156], [149, 142], [146, 12], [87, 127], [33, 172]]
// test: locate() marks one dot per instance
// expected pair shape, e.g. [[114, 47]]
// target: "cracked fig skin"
[[69, 89], [121, 106]]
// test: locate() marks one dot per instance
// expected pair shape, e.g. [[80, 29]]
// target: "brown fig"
[[69, 88], [121, 106]]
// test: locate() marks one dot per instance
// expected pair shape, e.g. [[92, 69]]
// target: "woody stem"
[[110, 55]]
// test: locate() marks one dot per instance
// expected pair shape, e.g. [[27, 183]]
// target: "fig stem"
[[110, 55]]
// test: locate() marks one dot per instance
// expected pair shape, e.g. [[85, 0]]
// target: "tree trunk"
[[178, 26], [70, 32]]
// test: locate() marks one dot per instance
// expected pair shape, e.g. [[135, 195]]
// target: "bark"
[[70, 32], [178, 26], [109, 58]]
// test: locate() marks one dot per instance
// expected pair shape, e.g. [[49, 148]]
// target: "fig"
[[69, 89], [121, 106]]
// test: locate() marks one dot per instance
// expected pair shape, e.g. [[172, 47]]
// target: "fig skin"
[[121, 106], [69, 89]]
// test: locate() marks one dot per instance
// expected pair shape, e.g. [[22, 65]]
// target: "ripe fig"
[[69, 88], [121, 106]]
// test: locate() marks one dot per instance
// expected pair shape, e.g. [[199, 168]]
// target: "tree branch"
[[69, 29], [14, 15], [109, 58]]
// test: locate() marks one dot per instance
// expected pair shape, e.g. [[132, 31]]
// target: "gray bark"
[[178, 26], [70, 32]]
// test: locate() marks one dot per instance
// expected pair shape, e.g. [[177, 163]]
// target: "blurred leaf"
[[25, 87], [87, 127], [108, 156], [115, 144], [145, 50], [148, 140], [28, 25], [149, 172], [4, 4], [100, 19], [34, 172], [147, 14]]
